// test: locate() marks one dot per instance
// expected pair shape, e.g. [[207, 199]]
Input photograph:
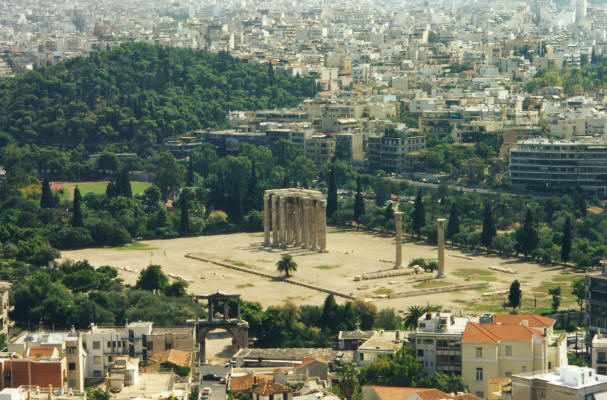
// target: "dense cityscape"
[[303, 200]]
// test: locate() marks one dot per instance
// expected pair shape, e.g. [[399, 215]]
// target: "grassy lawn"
[[135, 246], [475, 274], [429, 284], [383, 291], [327, 266], [97, 188]]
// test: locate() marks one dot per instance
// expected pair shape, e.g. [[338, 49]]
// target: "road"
[[434, 186], [218, 390]]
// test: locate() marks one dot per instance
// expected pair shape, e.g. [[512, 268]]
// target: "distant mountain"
[[137, 95]]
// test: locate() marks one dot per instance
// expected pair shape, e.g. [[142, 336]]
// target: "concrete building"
[[596, 302], [497, 350], [320, 148], [599, 354], [380, 343], [349, 146], [546, 166], [389, 152], [5, 308], [565, 383], [438, 342]]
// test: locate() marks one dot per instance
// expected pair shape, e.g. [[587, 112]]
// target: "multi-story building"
[[295, 136], [543, 165], [228, 141], [565, 383], [5, 308], [596, 301], [599, 354], [320, 149], [389, 152], [499, 350], [438, 342], [349, 146]]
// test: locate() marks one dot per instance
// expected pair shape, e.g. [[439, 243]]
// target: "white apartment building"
[[559, 166]]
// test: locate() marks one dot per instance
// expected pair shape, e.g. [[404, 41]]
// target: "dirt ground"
[[350, 253]]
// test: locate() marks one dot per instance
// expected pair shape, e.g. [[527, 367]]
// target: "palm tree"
[[286, 265], [348, 385], [414, 313]]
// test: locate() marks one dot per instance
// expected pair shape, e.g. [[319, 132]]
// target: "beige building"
[[320, 148], [380, 343], [500, 350], [566, 383]]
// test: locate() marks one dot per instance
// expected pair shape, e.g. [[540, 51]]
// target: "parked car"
[[211, 377]]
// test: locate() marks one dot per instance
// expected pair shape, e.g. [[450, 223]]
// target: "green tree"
[[526, 236], [77, 218], [515, 295], [579, 291], [489, 231], [332, 192], [152, 278], [580, 204], [46, 198], [366, 313], [359, 202], [184, 206], [122, 186], [419, 215], [453, 224], [556, 297], [189, 176], [253, 199], [286, 265], [566, 242], [348, 385], [236, 205], [414, 313], [169, 174], [388, 213]]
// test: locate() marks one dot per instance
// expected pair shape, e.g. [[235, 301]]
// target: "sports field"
[[66, 189]]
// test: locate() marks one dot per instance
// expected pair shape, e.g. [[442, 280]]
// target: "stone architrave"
[[441, 247], [398, 229], [275, 227], [266, 220]]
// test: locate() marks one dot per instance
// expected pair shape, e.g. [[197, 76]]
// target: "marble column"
[[275, 228], [312, 222], [289, 220], [266, 219], [297, 210], [398, 229], [322, 226], [441, 247], [282, 220], [305, 224]]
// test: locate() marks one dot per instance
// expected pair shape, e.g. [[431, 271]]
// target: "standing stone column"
[[275, 228], [322, 226], [297, 210], [305, 225], [398, 229], [441, 247], [289, 220], [266, 219], [312, 222], [282, 220]]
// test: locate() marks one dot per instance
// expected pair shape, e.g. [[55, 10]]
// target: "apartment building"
[[381, 343], [349, 146], [596, 302], [5, 308], [389, 152], [499, 350], [547, 166], [320, 148], [599, 354], [438, 342], [295, 136], [565, 383]]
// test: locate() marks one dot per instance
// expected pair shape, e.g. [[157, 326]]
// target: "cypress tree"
[[122, 187], [77, 219], [566, 245], [515, 294], [332, 193], [419, 215], [580, 204], [359, 202], [389, 213], [189, 177], [46, 199], [489, 230], [252, 193], [110, 191], [270, 72], [526, 236], [453, 224], [184, 205], [235, 202]]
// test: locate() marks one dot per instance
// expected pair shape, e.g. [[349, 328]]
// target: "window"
[[109, 344], [549, 365], [97, 373], [96, 345], [70, 350], [119, 343], [479, 375], [479, 352], [7, 374], [480, 394], [420, 353], [71, 366], [113, 343], [150, 345], [509, 350], [97, 360]]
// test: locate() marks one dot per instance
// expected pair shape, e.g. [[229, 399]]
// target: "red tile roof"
[[42, 352], [491, 333], [269, 388], [533, 321], [400, 393]]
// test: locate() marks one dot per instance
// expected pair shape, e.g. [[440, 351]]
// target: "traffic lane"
[[218, 390]]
